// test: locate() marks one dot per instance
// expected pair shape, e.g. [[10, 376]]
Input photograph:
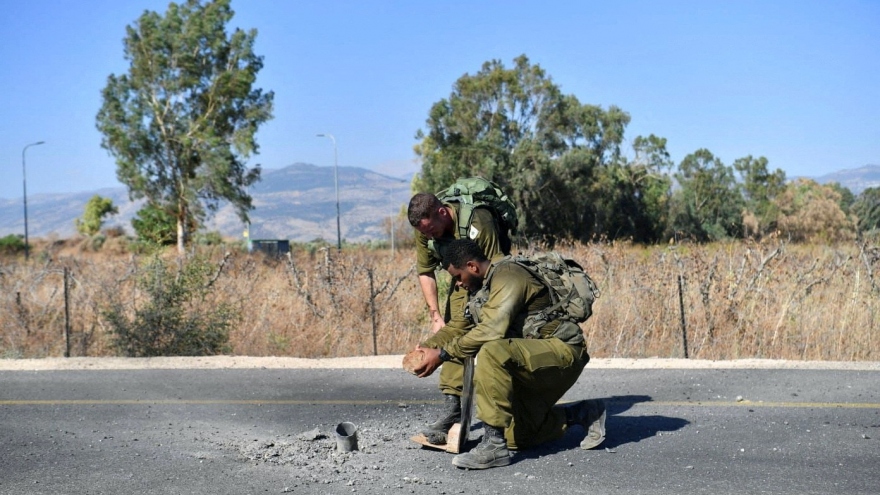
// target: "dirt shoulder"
[[392, 361]]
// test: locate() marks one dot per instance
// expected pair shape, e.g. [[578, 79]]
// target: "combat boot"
[[590, 414], [492, 452], [436, 431]]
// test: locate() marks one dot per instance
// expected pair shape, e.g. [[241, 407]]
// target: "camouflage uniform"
[[517, 381], [485, 231]]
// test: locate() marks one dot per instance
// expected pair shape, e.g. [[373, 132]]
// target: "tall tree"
[[181, 123], [867, 209], [637, 196], [514, 126], [760, 188], [847, 198], [708, 204], [486, 117]]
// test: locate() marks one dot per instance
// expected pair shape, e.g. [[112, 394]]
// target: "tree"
[[181, 122], [486, 117], [867, 209], [708, 205], [847, 198], [93, 216], [760, 188], [810, 212], [638, 192], [515, 127], [156, 225]]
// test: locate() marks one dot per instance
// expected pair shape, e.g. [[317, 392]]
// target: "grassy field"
[[719, 301]]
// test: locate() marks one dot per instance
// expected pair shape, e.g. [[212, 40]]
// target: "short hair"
[[421, 206], [460, 251]]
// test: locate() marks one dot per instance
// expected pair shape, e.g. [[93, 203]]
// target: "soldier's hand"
[[437, 323], [431, 362]]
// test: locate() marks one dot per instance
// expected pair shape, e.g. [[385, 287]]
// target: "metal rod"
[[24, 188], [336, 186]]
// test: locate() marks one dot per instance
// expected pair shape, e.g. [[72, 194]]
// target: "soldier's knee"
[[494, 353]]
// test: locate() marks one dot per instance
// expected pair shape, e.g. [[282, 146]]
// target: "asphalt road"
[[249, 431]]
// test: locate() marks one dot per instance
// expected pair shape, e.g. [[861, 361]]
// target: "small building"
[[270, 247]]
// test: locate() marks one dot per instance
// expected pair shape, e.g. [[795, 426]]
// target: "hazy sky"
[[795, 81]]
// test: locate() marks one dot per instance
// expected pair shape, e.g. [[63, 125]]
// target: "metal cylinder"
[[346, 437]]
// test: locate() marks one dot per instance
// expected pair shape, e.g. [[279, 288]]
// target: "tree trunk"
[[181, 244], [181, 229]]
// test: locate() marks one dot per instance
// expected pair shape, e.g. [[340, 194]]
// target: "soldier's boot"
[[590, 414], [491, 452], [436, 431]]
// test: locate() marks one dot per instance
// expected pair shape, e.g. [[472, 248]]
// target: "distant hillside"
[[297, 202], [856, 180]]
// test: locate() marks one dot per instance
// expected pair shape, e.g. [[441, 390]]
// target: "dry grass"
[[740, 300]]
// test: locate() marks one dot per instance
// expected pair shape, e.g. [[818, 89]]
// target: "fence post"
[[373, 311], [684, 335], [66, 314]]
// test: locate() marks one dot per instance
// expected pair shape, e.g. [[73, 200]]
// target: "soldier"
[[437, 224], [517, 381]]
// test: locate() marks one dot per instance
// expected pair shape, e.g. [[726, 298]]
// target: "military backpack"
[[474, 192], [572, 291]]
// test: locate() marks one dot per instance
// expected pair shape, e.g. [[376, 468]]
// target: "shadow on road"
[[619, 430]]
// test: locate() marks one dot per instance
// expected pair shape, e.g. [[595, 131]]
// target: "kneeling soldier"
[[518, 380]]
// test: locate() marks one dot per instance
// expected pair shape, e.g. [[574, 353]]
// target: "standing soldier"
[[438, 224]]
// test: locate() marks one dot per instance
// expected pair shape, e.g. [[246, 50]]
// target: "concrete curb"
[[392, 361]]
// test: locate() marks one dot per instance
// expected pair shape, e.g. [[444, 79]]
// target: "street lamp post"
[[24, 188], [336, 185]]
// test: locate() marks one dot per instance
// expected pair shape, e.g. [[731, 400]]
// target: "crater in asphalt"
[[385, 456]]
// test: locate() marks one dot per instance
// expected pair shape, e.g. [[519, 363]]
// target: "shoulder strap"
[[475, 303], [465, 217]]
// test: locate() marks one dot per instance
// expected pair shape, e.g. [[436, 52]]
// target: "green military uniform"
[[517, 380], [484, 230]]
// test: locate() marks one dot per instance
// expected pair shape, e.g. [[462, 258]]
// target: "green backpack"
[[474, 192], [572, 291]]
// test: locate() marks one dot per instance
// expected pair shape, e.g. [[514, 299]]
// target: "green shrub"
[[93, 217], [11, 244], [212, 238], [155, 225], [178, 316], [96, 242]]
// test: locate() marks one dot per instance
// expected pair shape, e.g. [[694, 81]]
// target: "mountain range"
[[297, 203], [856, 179]]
